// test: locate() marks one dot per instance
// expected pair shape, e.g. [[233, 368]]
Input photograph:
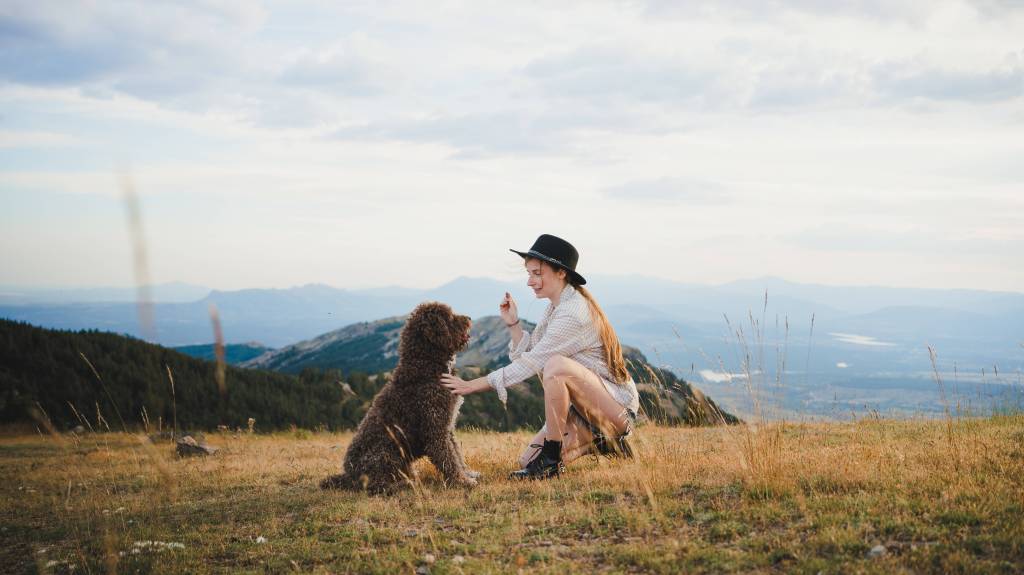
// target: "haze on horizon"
[[396, 143]]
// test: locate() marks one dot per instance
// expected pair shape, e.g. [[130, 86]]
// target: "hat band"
[[548, 258]]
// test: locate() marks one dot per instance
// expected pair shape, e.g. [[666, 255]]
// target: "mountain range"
[[832, 348], [101, 380], [372, 347]]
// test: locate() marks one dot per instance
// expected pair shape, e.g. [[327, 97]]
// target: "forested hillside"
[[50, 374], [49, 371]]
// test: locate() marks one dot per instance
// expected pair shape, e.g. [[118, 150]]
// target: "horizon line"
[[6, 287]]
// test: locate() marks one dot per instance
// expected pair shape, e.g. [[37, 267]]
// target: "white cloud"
[[842, 237], [864, 142], [35, 139], [669, 190], [900, 81]]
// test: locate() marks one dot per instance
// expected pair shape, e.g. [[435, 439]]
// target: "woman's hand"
[[509, 310], [459, 386]]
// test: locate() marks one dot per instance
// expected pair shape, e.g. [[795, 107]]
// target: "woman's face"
[[545, 281]]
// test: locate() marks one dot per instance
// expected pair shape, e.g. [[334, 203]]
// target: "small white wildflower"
[[56, 563], [140, 546]]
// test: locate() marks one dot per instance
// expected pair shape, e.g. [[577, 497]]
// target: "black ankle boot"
[[547, 463]]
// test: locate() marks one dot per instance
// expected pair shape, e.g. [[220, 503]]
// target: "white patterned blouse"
[[567, 330]]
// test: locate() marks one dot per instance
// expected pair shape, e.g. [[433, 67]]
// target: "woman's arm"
[[566, 335], [517, 334]]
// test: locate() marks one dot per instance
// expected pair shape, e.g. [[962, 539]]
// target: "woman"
[[588, 393]]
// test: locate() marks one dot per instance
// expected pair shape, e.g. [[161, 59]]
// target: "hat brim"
[[579, 280]]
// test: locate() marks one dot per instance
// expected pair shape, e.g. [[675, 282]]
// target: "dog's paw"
[[467, 482], [473, 474]]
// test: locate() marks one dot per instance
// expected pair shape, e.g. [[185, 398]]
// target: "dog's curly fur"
[[412, 416]]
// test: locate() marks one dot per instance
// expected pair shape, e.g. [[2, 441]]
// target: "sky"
[[362, 144]]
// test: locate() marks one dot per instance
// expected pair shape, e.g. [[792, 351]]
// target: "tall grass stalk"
[[218, 351], [759, 441], [174, 404], [81, 419], [140, 259], [951, 439], [106, 392]]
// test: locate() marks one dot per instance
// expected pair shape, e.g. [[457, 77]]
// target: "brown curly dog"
[[412, 416]]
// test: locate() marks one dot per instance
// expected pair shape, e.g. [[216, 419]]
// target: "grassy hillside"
[[928, 496]]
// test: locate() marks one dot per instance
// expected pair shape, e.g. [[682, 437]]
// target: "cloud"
[[496, 133], [906, 11], [903, 81], [36, 139], [613, 73], [803, 86], [119, 44], [841, 237], [511, 131], [997, 9], [894, 127], [332, 70], [356, 65], [669, 191], [197, 56], [389, 75]]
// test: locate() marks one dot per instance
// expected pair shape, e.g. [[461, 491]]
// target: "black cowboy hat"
[[556, 252]]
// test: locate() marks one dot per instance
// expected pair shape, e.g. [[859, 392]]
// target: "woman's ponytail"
[[610, 342]]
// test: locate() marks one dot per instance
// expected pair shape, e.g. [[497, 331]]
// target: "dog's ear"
[[441, 327]]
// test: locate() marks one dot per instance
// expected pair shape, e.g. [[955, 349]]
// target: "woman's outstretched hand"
[[509, 310], [459, 386]]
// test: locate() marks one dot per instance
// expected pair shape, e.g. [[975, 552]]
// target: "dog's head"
[[433, 328]]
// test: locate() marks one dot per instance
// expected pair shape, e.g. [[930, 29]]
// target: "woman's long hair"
[[609, 341]]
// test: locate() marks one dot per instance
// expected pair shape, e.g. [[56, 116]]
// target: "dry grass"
[[694, 501]]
